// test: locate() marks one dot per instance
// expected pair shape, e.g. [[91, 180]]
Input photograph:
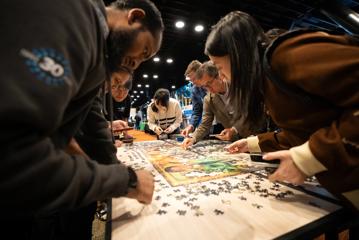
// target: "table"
[[240, 206]]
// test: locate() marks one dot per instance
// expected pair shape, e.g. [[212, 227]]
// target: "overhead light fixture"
[[169, 60], [156, 59], [187, 78], [173, 87], [135, 91], [141, 91], [180, 24], [145, 75], [354, 16], [138, 96], [139, 85], [198, 28], [147, 86], [132, 96], [155, 76]]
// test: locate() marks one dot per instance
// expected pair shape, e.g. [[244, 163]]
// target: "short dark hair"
[[192, 67], [161, 97], [153, 19], [209, 68]]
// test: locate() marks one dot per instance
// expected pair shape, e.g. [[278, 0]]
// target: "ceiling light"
[[145, 75], [173, 86], [179, 24], [169, 60], [187, 78], [155, 76], [147, 86], [139, 85], [156, 59], [135, 91], [138, 96], [198, 28], [132, 96], [354, 16], [141, 91]]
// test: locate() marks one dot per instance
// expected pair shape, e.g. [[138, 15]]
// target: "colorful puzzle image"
[[204, 161]]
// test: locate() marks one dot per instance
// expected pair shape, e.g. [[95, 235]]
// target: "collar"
[[100, 10]]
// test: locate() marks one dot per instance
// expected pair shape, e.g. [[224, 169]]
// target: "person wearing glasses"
[[216, 105]]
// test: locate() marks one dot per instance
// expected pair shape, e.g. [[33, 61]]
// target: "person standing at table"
[[217, 105], [50, 77], [164, 114], [197, 95], [308, 81]]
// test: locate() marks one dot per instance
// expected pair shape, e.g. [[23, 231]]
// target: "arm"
[[178, 113], [95, 136], [151, 118], [331, 151], [35, 111], [206, 124], [197, 108]]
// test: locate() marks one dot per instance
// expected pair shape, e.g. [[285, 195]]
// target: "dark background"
[[184, 45]]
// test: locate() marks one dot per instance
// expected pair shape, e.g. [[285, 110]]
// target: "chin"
[[119, 99]]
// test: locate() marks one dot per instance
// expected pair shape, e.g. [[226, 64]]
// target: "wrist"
[[132, 178]]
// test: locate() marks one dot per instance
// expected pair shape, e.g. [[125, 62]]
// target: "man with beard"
[[50, 77]]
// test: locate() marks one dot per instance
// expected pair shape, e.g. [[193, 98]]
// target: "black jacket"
[[52, 66]]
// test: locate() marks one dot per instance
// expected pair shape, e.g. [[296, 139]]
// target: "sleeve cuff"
[[306, 161], [253, 144], [235, 129]]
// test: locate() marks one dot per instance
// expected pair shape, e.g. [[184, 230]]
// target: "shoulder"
[[174, 102], [287, 48]]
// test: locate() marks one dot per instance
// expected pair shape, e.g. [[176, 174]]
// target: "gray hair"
[[209, 68]]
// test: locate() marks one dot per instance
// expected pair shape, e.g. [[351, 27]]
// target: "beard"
[[118, 44]]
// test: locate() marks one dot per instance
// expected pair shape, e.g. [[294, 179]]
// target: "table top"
[[241, 206]]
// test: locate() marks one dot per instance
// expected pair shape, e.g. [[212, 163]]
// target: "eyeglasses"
[[209, 83]]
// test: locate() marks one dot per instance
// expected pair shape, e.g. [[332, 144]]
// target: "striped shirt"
[[170, 118]]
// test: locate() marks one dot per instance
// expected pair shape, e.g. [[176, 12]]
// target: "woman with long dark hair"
[[308, 82]]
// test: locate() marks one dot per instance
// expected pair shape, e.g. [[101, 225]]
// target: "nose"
[[131, 63]]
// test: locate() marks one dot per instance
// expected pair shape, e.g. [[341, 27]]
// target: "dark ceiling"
[[184, 45]]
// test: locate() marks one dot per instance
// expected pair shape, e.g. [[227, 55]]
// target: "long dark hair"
[[239, 36]]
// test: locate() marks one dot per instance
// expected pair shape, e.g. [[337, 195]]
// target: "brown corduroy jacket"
[[323, 136]]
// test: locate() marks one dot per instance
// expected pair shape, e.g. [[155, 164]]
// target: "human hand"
[[118, 125], [158, 130], [226, 134], [287, 170], [238, 146], [187, 130], [187, 142], [145, 187], [169, 130], [118, 143]]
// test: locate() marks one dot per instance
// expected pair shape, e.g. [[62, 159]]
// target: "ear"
[[135, 15]]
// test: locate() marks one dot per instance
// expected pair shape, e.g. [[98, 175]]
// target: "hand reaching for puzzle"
[[187, 142], [158, 130], [226, 135], [238, 146], [145, 186], [169, 130], [287, 170]]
